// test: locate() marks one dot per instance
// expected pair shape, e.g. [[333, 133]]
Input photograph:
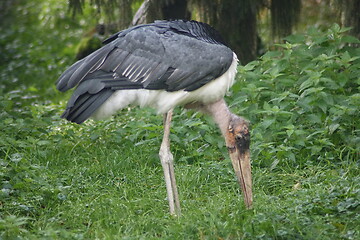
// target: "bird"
[[162, 65]]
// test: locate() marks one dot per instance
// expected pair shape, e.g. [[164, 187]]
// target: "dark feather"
[[165, 55], [86, 105]]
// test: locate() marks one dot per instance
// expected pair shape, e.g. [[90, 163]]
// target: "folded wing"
[[168, 56]]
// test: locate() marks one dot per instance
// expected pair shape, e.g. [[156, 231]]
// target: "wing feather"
[[88, 65], [170, 56], [86, 106]]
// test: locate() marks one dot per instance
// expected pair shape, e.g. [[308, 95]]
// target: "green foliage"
[[11, 227], [303, 100], [103, 180], [37, 42]]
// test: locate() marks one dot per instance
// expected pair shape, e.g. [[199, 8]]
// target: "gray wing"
[[151, 57]]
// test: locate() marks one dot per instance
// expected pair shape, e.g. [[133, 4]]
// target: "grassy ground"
[[103, 180]]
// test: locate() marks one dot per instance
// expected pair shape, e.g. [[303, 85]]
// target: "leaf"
[[349, 39], [274, 164], [44, 142], [306, 84], [250, 66], [267, 122], [314, 118], [16, 157], [333, 127], [271, 54], [289, 132], [295, 38], [312, 90]]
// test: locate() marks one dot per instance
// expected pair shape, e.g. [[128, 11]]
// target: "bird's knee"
[[166, 156]]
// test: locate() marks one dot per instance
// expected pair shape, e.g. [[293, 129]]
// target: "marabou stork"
[[162, 65]]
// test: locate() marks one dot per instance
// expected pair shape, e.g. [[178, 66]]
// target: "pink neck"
[[220, 113]]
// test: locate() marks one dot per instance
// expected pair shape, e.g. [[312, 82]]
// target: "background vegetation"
[[103, 180]]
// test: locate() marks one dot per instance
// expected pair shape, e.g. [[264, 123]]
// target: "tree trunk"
[[238, 24], [285, 15], [351, 16], [236, 20], [151, 10]]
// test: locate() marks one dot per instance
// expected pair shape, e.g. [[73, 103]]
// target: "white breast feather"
[[163, 101]]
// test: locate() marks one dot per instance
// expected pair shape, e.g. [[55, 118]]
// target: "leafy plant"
[[303, 99], [103, 180], [12, 227]]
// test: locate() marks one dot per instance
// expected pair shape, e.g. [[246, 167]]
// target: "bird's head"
[[237, 139], [236, 132]]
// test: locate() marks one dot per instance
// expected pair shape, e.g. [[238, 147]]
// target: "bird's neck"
[[220, 113]]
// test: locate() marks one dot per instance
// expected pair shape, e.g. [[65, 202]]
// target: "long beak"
[[240, 158]]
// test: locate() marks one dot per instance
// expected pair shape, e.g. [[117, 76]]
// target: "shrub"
[[303, 99]]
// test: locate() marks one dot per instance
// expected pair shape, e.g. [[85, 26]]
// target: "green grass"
[[104, 180]]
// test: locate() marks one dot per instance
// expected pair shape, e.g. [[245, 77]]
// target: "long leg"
[[167, 162]]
